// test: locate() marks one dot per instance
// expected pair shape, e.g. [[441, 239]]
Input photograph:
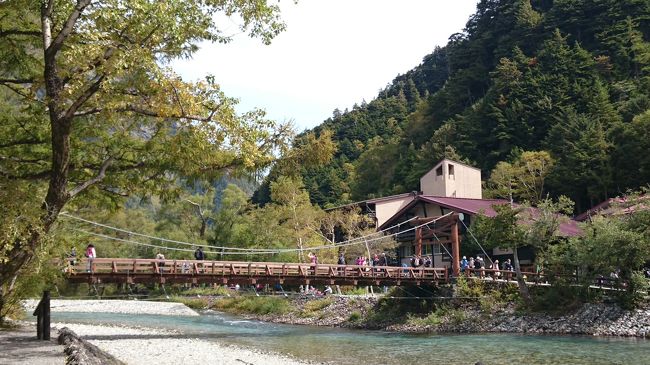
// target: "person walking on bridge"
[[91, 254], [198, 254]]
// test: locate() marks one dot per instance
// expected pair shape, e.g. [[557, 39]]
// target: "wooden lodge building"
[[449, 187]]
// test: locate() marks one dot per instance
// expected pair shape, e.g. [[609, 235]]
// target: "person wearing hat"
[[464, 264]]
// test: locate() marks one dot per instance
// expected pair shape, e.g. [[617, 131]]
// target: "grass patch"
[[218, 291], [253, 305], [356, 291], [313, 307], [433, 319], [318, 304], [355, 316], [194, 303]]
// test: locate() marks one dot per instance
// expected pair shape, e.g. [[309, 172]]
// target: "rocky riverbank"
[[112, 344], [369, 313]]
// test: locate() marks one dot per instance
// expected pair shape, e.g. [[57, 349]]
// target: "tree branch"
[[99, 177], [149, 113], [30, 141], [16, 81], [88, 112], [110, 51], [31, 176], [113, 191], [57, 42], [23, 160], [9, 32], [90, 91]]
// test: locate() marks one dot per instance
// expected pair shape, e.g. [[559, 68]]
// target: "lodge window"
[[450, 168], [439, 171]]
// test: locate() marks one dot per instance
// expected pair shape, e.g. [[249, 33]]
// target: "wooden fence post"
[[42, 314]]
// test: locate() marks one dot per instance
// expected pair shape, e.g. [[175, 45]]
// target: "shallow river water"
[[354, 347]]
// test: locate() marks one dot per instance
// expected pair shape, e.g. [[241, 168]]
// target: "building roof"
[[374, 200], [466, 205], [472, 207], [461, 205], [616, 206]]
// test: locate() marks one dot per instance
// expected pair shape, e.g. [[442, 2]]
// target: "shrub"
[[356, 291], [218, 291], [253, 305], [318, 304], [194, 303], [355, 316], [633, 295], [469, 288]]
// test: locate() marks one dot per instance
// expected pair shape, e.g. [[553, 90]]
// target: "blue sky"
[[333, 54]]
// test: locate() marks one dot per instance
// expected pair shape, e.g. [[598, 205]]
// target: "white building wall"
[[452, 179], [384, 210]]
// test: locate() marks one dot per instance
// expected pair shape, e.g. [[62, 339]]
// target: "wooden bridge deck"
[[119, 270]]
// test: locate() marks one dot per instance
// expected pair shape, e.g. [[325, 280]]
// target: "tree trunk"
[[521, 282]]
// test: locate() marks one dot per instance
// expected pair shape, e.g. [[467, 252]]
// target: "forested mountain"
[[569, 77]]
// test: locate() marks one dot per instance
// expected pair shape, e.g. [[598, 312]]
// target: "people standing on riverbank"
[[471, 264]]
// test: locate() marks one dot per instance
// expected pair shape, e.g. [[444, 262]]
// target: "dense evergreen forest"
[[571, 78]]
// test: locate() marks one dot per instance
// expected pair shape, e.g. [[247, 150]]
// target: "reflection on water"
[[340, 346]]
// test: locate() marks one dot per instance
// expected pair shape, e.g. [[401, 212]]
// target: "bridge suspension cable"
[[349, 242], [163, 247], [477, 242], [245, 251]]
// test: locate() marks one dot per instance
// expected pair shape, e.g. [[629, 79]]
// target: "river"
[[354, 347]]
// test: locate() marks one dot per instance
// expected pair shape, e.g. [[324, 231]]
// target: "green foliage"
[[253, 305], [432, 319], [568, 78], [318, 304], [314, 307], [194, 303], [355, 291], [93, 112], [355, 316], [469, 288], [218, 291]]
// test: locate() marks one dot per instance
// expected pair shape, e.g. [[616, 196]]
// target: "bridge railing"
[[503, 275], [202, 268]]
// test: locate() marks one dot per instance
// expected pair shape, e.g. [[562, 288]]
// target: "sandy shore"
[[115, 306], [19, 346], [137, 346], [155, 346]]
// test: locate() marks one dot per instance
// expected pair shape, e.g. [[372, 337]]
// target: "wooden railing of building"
[[120, 270]]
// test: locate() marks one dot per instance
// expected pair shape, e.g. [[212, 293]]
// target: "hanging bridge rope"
[[477, 242], [250, 250], [161, 247], [241, 251]]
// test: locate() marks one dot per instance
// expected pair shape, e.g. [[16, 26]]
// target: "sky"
[[333, 54]]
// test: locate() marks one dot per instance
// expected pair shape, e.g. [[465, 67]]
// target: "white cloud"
[[333, 54]]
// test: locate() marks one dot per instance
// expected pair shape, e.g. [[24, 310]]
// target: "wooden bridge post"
[[455, 246], [418, 241]]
